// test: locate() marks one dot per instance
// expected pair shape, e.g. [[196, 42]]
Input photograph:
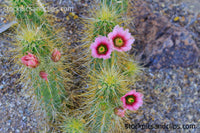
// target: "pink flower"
[[120, 111], [121, 39], [56, 55], [30, 60], [43, 75], [101, 48], [132, 100]]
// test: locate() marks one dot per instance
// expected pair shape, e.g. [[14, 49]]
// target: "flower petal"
[[126, 37], [99, 42], [137, 103]]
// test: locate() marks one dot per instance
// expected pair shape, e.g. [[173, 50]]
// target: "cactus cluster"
[[112, 72], [102, 101], [38, 53], [43, 68]]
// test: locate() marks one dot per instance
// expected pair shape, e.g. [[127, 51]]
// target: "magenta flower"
[[43, 75], [101, 48], [56, 55], [132, 100], [120, 111], [121, 39], [30, 60]]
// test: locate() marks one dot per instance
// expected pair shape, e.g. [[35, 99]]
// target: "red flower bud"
[[30, 60], [119, 111], [56, 55], [43, 75]]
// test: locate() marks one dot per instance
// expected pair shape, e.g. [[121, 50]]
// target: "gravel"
[[170, 97], [17, 114]]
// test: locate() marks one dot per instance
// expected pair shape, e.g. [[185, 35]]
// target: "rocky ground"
[[170, 84], [171, 97]]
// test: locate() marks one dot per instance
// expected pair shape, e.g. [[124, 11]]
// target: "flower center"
[[102, 49], [118, 42], [130, 99]]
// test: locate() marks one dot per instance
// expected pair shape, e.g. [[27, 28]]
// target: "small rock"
[[12, 105], [20, 111], [2, 19], [183, 21], [1, 87], [23, 118]]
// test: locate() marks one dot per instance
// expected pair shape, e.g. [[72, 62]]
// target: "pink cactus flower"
[[43, 75], [121, 39], [30, 60], [120, 111], [132, 100], [56, 55], [101, 48]]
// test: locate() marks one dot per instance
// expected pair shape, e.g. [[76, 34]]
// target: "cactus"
[[45, 69], [73, 125], [108, 79], [102, 21], [105, 88], [129, 66], [50, 92], [120, 5], [28, 11]]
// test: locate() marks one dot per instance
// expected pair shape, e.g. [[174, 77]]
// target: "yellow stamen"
[[131, 100], [119, 42], [101, 49]]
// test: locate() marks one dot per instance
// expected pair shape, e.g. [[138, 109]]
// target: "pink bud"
[[30, 60], [43, 75], [119, 111], [56, 55]]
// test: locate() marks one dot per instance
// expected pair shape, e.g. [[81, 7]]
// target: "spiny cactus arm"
[[120, 5], [25, 11]]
